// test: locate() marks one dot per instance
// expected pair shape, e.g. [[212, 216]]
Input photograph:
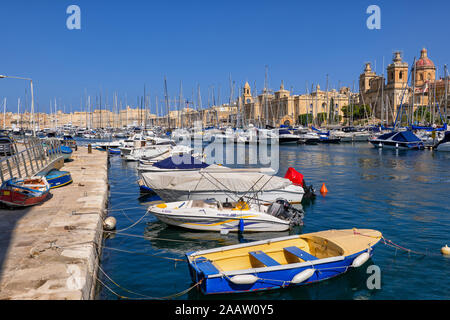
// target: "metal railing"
[[33, 156]]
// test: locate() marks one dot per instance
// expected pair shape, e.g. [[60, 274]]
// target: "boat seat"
[[206, 266], [264, 258], [299, 253]]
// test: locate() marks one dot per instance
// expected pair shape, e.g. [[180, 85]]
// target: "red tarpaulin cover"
[[294, 176]]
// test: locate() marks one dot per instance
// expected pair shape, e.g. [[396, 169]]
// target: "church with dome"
[[410, 87]]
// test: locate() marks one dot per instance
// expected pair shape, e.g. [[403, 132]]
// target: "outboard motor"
[[309, 192], [282, 209]]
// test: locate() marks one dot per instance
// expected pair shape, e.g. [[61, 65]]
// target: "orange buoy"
[[324, 189]]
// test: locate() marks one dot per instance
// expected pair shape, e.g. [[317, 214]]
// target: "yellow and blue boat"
[[57, 179], [281, 262]]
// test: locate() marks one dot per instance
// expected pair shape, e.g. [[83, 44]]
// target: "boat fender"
[[109, 223], [303, 276], [445, 250], [244, 279], [360, 260]]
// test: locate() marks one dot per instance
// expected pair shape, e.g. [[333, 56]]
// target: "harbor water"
[[403, 194]]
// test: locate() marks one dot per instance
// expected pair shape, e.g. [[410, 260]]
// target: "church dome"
[[424, 61]]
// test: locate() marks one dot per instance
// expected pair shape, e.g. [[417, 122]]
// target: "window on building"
[[400, 75]]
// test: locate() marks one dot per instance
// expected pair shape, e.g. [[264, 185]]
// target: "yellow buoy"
[[445, 250]]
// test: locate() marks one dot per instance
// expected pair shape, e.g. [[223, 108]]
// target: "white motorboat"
[[135, 142], [352, 136], [444, 144], [146, 163], [213, 215], [307, 136], [287, 137], [108, 144], [222, 183], [148, 152]]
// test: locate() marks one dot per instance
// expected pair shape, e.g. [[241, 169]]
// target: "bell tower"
[[247, 96], [364, 78], [397, 72]]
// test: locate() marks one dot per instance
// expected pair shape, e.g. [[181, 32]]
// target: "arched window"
[[400, 75], [421, 76]]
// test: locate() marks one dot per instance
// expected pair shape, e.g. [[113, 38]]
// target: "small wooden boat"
[[114, 150], [56, 178], [24, 192], [66, 152], [281, 262]]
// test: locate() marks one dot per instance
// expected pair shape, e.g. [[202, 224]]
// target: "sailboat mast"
[[166, 100], [414, 91], [446, 79]]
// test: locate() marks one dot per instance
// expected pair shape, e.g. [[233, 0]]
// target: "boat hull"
[[249, 267], [274, 279], [241, 222], [18, 199], [444, 147], [58, 179], [397, 145], [24, 193]]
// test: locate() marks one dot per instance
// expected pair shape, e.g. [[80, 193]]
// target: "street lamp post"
[[32, 97]]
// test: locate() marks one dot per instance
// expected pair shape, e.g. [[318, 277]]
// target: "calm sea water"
[[403, 194]]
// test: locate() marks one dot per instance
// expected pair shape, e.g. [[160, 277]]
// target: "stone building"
[[280, 107], [409, 88]]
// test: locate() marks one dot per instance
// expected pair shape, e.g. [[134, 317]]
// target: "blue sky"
[[124, 45]]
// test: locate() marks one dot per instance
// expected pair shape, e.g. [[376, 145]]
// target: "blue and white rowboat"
[[281, 262], [56, 178]]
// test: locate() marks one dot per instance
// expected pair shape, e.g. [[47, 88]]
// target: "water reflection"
[[404, 194]]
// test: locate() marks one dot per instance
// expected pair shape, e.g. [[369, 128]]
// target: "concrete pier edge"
[[52, 251]]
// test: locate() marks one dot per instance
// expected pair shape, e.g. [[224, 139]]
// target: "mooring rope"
[[143, 296], [390, 243]]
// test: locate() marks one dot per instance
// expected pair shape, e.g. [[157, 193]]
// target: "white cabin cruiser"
[[222, 183]]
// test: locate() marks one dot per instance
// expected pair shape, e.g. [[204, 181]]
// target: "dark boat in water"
[[24, 192], [398, 140]]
